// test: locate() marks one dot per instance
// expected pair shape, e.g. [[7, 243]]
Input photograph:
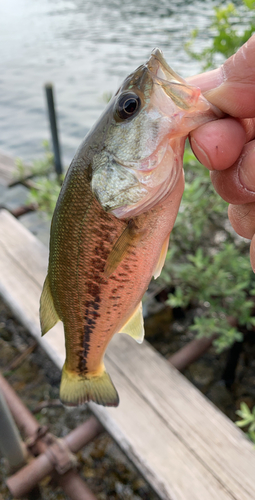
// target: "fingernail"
[[200, 154], [246, 170]]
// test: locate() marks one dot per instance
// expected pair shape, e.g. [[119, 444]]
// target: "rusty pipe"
[[74, 486], [25, 421], [11, 445], [25, 479], [75, 440], [82, 434], [190, 352]]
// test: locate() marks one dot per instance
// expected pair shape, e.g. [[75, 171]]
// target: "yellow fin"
[[76, 389], [122, 246], [134, 326], [162, 258], [48, 314]]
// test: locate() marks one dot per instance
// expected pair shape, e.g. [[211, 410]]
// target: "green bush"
[[248, 420], [231, 26], [207, 264], [44, 193], [46, 184]]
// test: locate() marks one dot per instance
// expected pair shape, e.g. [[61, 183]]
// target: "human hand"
[[227, 146]]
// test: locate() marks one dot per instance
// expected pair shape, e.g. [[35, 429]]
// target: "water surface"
[[85, 47]]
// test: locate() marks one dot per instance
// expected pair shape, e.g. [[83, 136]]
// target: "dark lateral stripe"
[[91, 314]]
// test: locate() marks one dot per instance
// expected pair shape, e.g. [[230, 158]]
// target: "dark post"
[[53, 127]]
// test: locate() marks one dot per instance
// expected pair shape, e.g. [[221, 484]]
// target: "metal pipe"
[[21, 482], [190, 352], [74, 487], [11, 445], [25, 421], [43, 465], [53, 127], [29, 476], [84, 433], [70, 482]]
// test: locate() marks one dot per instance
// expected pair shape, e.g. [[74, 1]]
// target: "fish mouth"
[[184, 95], [161, 71], [159, 68]]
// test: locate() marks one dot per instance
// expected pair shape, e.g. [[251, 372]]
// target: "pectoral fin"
[[162, 258], [48, 314], [121, 248], [134, 326]]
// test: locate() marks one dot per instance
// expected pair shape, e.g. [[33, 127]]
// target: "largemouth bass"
[[111, 226]]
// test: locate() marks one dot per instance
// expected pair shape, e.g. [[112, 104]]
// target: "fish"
[[111, 225]]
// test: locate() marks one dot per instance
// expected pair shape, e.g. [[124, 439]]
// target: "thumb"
[[235, 93]]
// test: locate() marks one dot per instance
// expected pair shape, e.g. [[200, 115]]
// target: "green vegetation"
[[231, 26], [208, 265], [46, 184], [42, 166], [248, 420], [45, 193]]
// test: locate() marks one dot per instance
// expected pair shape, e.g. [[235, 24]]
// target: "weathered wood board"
[[9, 173], [184, 446], [7, 169]]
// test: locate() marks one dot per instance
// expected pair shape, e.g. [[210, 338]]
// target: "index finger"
[[232, 86]]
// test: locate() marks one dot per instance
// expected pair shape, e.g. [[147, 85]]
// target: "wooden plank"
[[7, 169], [22, 273], [183, 445], [207, 433]]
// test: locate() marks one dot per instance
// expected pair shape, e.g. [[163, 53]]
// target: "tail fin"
[[76, 389]]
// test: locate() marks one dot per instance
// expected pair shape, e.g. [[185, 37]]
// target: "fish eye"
[[127, 105]]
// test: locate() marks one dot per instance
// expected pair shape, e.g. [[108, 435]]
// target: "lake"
[[85, 48]]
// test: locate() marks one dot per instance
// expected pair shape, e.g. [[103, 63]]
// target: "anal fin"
[[134, 326], [162, 258], [48, 314]]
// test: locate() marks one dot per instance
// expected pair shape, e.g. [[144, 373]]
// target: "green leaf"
[[249, 3]]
